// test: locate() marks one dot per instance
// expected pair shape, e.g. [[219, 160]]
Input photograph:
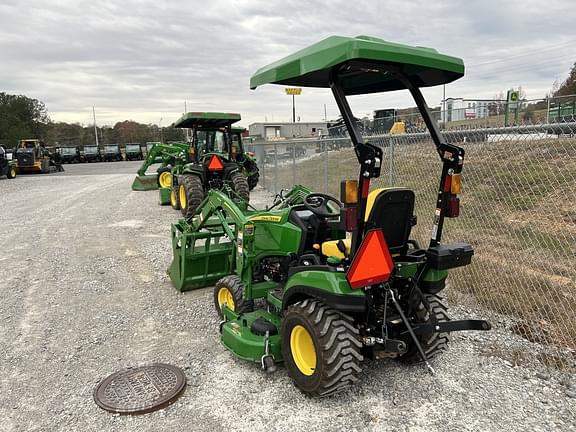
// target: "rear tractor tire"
[[230, 291], [240, 185], [321, 348], [434, 343], [252, 168], [190, 193]]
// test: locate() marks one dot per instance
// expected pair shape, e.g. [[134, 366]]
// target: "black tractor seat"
[[388, 209]]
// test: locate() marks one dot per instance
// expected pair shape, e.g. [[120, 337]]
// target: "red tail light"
[[453, 207], [215, 164], [350, 218], [372, 263]]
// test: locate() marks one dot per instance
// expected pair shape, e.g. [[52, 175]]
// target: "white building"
[[464, 109], [276, 131]]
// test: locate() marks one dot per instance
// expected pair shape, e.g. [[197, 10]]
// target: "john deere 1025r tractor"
[[321, 283]]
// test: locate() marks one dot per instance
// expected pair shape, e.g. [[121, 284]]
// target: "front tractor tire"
[[240, 186], [11, 172], [174, 198], [230, 291], [190, 193], [321, 348], [165, 178], [434, 343]]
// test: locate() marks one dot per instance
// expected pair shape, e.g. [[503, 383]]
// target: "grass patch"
[[518, 210]]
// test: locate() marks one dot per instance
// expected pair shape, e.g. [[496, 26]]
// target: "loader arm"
[[218, 209], [162, 153]]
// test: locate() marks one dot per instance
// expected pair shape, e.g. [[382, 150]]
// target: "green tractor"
[[167, 156], [7, 164], [248, 160], [321, 283], [216, 160]]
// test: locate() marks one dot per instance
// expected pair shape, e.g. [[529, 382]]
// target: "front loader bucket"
[[145, 182], [199, 258]]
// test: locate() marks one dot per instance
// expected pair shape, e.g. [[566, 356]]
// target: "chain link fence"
[[518, 210]]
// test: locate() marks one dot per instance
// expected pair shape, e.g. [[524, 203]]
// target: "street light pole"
[[95, 129], [293, 91]]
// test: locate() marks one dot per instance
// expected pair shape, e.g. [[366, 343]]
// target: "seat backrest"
[[392, 210]]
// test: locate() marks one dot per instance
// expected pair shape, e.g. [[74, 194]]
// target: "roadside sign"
[[293, 91]]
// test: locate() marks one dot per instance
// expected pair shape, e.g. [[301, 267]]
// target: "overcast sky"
[[142, 59]]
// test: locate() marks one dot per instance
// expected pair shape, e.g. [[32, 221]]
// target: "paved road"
[[84, 293]]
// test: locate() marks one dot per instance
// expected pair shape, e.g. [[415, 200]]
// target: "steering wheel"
[[317, 203]]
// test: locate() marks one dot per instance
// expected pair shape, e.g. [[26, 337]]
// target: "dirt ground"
[[84, 293]]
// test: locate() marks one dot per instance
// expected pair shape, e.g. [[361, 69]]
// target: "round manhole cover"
[[141, 389]]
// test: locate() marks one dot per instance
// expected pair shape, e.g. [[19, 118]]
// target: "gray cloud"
[[141, 59]]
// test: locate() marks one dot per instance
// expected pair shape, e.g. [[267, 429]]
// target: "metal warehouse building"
[[270, 131]]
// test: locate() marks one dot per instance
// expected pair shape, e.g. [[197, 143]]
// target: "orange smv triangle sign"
[[215, 164], [372, 263]]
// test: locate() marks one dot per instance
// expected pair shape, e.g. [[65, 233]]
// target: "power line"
[[531, 53], [531, 66]]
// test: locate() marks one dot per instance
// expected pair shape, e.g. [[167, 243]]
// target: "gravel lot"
[[84, 293]]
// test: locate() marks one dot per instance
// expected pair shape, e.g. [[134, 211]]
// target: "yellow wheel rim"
[[225, 297], [165, 179], [303, 350], [13, 172], [173, 198], [182, 193]]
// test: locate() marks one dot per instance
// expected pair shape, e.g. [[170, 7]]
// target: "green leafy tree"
[[568, 87], [21, 117]]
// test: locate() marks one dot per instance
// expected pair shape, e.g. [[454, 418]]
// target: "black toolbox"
[[444, 257]]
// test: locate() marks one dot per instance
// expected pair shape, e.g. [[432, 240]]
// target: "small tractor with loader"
[[7, 164], [32, 156], [322, 283], [165, 155], [215, 160]]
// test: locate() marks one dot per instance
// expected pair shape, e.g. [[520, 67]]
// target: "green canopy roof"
[[206, 120], [373, 65]]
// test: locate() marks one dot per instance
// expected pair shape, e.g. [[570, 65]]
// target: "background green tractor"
[[166, 156], [247, 160], [321, 283], [215, 160], [7, 164]]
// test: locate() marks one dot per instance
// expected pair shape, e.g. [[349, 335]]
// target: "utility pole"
[[325, 117], [443, 115], [95, 129]]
